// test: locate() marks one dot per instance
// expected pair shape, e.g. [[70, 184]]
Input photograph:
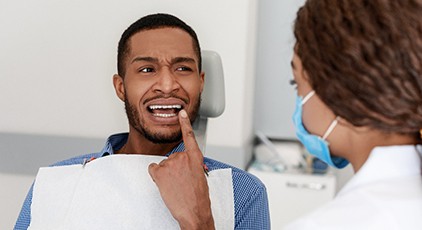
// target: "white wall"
[[274, 96], [14, 188], [58, 57]]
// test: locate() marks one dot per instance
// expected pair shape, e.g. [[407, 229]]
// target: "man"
[[160, 81]]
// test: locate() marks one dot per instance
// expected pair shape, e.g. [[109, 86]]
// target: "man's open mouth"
[[164, 111]]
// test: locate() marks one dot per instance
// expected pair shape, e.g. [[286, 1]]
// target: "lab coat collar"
[[385, 163]]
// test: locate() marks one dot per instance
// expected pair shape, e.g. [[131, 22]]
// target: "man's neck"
[[138, 144]]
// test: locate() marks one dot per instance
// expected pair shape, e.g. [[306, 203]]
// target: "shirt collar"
[[116, 141], [386, 163]]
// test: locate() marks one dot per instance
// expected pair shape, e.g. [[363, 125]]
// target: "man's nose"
[[166, 82]]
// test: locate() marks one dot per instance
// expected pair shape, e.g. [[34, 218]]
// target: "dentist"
[[358, 71]]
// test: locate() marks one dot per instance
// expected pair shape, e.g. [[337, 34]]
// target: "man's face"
[[162, 77]]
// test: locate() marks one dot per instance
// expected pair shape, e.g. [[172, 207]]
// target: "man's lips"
[[170, 98]]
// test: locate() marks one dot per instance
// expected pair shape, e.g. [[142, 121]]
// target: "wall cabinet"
[[292, 195]]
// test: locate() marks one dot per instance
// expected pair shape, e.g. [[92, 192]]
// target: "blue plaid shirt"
[[250, 195]]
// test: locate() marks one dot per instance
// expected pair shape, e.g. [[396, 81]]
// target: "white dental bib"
[[116, 192]]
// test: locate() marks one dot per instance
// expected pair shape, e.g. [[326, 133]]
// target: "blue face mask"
[[317, 146]]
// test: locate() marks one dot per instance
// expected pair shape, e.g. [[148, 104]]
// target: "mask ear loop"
[[307, 97], [330, 128]]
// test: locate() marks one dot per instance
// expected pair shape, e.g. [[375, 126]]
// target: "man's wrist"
[[198, 224]]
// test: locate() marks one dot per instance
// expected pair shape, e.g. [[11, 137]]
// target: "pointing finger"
[[191, 145]]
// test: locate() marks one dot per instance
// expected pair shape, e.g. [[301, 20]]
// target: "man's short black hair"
[[150, 22]]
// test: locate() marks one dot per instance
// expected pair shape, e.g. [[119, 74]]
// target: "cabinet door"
[[293, 195]]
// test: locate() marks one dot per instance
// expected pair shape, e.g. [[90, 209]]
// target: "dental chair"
[[213, 96]]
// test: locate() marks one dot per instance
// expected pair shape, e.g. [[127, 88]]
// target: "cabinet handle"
[[311, 186]]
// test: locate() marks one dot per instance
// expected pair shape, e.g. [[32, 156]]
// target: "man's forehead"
[[165, 35], [169, 42]]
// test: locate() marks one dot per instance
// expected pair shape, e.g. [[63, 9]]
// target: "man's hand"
[[182, 183]]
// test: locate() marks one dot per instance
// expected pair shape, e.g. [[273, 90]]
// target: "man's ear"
[[202, 79], [119, 86]]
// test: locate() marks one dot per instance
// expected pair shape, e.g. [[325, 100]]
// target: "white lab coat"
[[386, 193]]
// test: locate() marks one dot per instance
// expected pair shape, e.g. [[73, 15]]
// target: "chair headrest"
[[213, 96]]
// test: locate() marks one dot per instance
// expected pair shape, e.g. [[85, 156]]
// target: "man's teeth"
[[164, 114], [165, 107]]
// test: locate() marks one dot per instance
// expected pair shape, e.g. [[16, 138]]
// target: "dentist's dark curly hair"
[[363, 58]]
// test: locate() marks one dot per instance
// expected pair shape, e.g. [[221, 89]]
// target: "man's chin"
[[160, 138]]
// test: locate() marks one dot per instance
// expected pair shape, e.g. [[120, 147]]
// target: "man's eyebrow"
[[292, 64], [182, 59], [148, 59], [173, 61]]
